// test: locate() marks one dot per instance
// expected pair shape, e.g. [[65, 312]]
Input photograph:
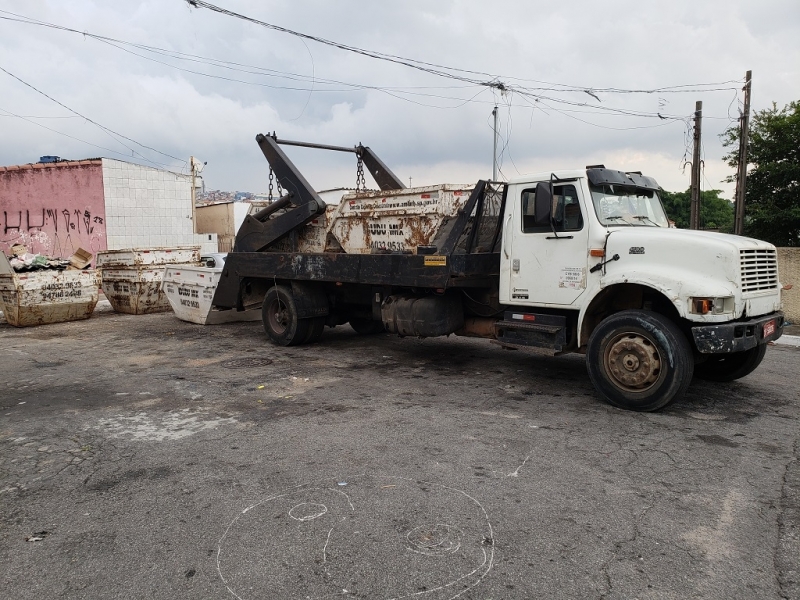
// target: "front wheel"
[[729, 367], [639, 360]]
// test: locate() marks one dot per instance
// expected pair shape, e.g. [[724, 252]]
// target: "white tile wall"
[[148, 207]]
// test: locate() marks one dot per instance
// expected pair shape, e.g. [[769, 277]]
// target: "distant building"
[[54, 208]]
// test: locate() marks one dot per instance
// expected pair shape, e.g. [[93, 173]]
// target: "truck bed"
[[407, 270]]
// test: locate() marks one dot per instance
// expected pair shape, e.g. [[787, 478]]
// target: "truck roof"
[[545, 176]]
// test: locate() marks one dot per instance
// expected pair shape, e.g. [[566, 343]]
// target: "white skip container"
[[190, 291]]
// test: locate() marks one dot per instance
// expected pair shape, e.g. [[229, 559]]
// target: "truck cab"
[[595, 243]]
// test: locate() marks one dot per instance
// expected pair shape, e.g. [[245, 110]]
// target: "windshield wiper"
[[618, 217], [646, 218]]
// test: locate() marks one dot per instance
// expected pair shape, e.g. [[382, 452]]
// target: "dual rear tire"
[[279, 313]]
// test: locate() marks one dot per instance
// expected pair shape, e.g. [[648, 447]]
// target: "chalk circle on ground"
[[307, 512], [434, 539], [378, 537]]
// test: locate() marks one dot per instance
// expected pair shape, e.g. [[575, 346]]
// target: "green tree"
[[772, 193], [715, 212]]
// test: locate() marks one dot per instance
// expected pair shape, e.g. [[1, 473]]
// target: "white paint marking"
[[515, 473], [353, 508], [325, 547], [308, 511], [488, 559]]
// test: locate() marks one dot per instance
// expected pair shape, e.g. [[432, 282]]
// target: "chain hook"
[[361, 183]]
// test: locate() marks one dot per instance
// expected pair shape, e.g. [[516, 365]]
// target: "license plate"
[[769, 328]]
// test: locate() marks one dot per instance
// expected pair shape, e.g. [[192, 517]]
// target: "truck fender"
[[310, 299], [672, 293]]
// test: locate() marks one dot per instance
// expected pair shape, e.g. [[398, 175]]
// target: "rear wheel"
[[316, 326], [279, 315], [730, 366], [639, 360], [367, 326]]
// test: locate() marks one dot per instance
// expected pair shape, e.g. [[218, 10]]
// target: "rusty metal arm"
[[257, 232], [382, 174]]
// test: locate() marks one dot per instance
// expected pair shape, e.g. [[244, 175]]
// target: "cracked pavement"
[[141, 456]]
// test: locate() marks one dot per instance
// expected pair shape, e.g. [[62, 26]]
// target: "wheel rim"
[[632, 362], [278, 316]]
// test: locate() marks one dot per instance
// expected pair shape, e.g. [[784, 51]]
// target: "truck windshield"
[[617, 205]]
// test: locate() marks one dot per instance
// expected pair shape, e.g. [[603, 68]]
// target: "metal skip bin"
[[131, 279], [190, 291], [47, 296]]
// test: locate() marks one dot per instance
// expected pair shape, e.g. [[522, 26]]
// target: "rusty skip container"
[[131, 278], [47, 296], [381, 221]]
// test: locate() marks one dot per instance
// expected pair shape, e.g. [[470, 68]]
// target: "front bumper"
[[737, 336]]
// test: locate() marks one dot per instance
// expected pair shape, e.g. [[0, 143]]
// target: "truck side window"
[[567, 216]]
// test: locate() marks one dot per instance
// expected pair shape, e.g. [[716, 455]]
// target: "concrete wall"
[[789, 270], [148, 207], [53, 209], [216, 218]]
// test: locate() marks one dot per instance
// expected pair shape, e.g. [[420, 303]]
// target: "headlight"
[[715, 306]]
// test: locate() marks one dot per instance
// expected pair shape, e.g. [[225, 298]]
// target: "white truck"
[[572, 261]]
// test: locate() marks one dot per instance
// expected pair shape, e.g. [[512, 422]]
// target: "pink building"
[[97, 204]]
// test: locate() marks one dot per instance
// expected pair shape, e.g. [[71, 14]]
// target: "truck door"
[[544, 255]]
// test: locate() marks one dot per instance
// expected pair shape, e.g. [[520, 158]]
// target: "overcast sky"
[[556, 60]]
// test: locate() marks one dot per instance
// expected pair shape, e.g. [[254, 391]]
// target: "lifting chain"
[[277, 182], [269, 197], [361, 184]]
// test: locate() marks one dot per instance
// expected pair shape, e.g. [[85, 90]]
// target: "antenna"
[[494, 154]]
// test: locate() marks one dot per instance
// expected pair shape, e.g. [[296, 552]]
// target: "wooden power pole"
[[741, 173], [694, 219]]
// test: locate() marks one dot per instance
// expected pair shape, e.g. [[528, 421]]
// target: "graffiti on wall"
[[53, 231]]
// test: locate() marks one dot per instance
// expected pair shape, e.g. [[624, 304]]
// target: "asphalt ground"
[[145, 457]]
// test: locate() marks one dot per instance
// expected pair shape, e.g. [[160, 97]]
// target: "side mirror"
[[543, 203]]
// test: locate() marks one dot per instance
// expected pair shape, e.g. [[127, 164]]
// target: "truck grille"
[[759, 269]]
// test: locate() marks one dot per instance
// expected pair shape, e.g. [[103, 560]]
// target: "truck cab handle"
[[507, 236]]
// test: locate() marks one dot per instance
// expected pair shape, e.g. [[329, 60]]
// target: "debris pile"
[[21, 260]]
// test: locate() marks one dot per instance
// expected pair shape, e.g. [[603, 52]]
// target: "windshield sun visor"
[[601, 176]]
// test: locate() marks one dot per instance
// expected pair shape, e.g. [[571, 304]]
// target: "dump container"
[[46, 296], [131, 279], [190, 290], [382, 221], [142, 257], [136, 290]]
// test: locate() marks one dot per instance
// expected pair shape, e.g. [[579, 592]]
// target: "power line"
[[104, 128], [28, 119], [452, 72], [396, 92]]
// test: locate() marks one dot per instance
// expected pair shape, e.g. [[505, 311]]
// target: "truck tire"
[[316, 326], [279, 315], [366, 326], [729, 367], [639, 360]]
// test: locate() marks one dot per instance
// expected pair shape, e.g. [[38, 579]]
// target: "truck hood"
[[680, 263], [658, 236]]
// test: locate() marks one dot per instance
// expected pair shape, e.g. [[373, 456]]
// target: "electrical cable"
[[398, 92], [95, 123], [24, 118]]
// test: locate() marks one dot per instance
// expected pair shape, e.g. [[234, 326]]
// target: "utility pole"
[[193, 169], [694, 219], [741, 173], [494, 154]]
